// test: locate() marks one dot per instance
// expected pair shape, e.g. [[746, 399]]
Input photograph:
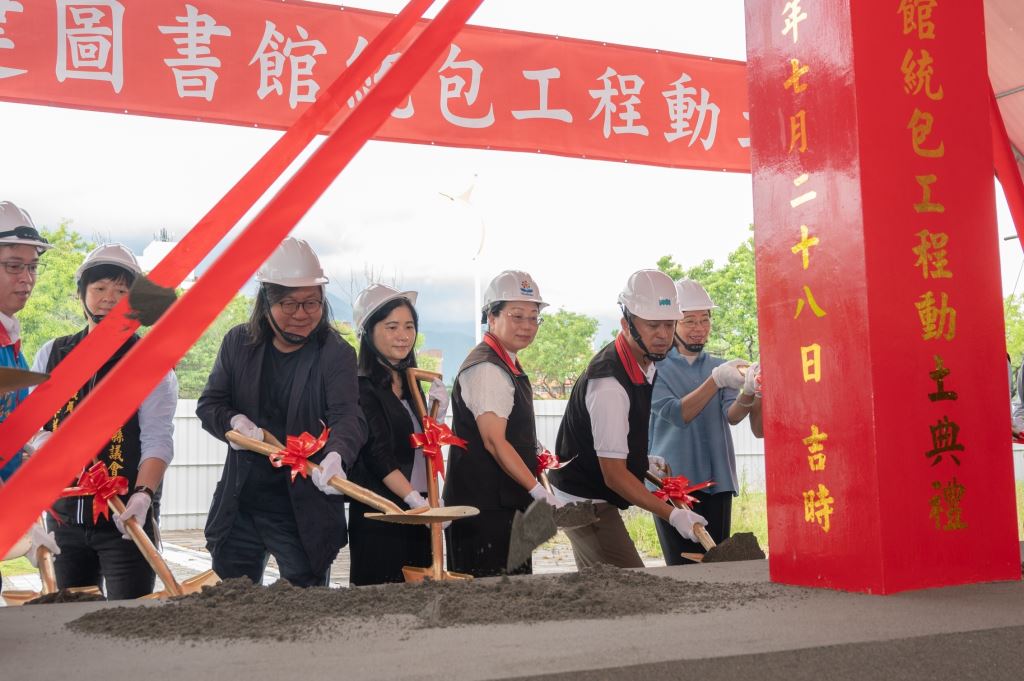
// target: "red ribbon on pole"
[[96, 481], [297, 451], [434, 436], [678, 488], [94, 350], [546, 461], [131, 379]]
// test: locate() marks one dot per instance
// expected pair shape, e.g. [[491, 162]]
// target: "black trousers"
[[716, 508], [380, 550], [257, 535], [97, 555], [478, 545]]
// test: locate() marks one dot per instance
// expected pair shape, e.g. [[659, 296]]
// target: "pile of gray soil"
[[65, 596], [740, 546], [237, 609]]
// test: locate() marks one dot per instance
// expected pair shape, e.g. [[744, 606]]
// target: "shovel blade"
[[530, 529]]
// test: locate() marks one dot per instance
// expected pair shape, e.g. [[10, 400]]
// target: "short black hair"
[[494, 309], [116, 273]]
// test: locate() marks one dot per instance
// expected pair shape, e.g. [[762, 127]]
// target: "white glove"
[[414, 500], [683, 519], [243, 425], [40, 537], [440, 393], [539, 493], [329, 467], [37, 441], [1017, 425], [728, 375], [137, 507], [656, 465], [752, 381]]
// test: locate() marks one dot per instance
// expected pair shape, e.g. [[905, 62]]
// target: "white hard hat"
[[109, 254], [374, 297], [692, 296], [17, 229], [513, 286], [293, 264], [651, 295]]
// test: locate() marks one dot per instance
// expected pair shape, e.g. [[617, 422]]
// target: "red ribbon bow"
[[96, 481], [678, 488], [434, 436], [546, 461], [297, 451]]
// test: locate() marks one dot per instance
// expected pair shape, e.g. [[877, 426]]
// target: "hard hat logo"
[[511, 286], [664, 302], [525, 288], [650, 294]]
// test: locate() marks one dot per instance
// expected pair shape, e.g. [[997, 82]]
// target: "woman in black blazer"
[[387, 324], [287, 371]]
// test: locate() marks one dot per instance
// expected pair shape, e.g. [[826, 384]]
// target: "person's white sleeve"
[[608, 406], [41, 359], [156, 420], [487, 388]]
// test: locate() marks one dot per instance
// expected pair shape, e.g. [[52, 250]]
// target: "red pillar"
[[880, 310]]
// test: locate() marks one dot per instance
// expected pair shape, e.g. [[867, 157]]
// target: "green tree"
[[560, 352], [54, 310], [1013, 313], [194, 368], [732, 287]]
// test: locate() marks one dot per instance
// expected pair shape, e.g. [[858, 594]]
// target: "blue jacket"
[[8, 401]]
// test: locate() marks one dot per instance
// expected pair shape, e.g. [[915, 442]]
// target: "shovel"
[[698, 530], [44, 558], [15, 379], [436, 571]]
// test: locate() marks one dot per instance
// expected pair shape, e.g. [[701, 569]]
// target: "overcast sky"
[[580, 227]]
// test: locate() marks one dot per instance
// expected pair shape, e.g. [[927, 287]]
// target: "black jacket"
[[324, 389], [387, 448]]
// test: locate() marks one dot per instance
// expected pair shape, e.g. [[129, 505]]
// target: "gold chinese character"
[[946, 502], [917, 75], [944, 439], [803, 247], [806, 196], [917, 15], [936, 321], [798, 131], [794, 15], [816, 447], [794, 78], [118, 436], [815, 308], [115, 468], [939, 376], [920, 126], [926, 205], [115, 453], [932, 252], [810, 362], [818, 507]]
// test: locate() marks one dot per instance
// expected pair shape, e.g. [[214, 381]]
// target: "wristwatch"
[[145, 490]]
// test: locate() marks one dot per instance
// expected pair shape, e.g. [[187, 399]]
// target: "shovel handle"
[[698, 530], [149, 552], [344, 486], [651, 477], [47, 573]]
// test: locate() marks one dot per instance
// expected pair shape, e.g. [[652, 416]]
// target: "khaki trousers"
[[605, 541]]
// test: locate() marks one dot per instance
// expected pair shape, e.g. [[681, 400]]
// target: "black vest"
[[474, 477], [583, 476], [387, 448], [120, 454]]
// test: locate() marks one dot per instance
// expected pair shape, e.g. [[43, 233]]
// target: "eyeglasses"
[[290, 307], [17, 267], [694, 323], [520, 319]]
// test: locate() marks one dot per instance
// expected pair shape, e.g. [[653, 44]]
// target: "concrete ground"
[[965, 632]]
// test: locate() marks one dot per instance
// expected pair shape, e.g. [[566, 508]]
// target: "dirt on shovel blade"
[[740, 546], [238, 609], [576, 514], [65, 596], [530, 529]]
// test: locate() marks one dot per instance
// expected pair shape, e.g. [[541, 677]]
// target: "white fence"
[[199, 457]]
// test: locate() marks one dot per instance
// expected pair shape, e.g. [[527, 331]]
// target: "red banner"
[[260, 62]]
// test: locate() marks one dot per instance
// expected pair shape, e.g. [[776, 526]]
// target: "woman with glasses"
[[286, 372], [387, 325], [492, 409], [696, 399], [93, 550]]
